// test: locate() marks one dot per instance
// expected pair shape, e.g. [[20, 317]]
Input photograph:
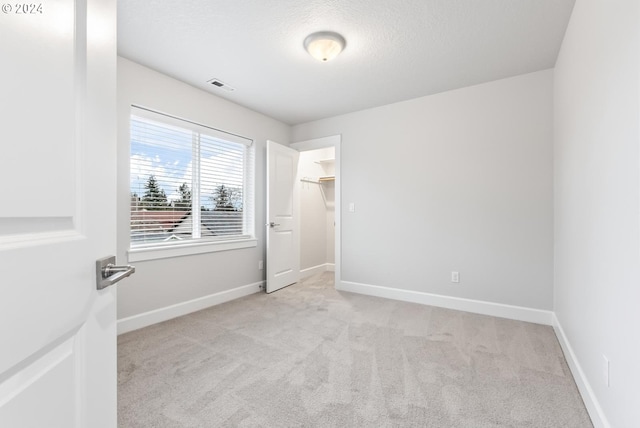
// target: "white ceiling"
[[396, 49]]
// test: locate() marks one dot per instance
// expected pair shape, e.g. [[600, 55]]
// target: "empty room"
[[325, 213]]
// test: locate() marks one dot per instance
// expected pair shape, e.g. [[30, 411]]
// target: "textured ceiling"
[[396, 49]]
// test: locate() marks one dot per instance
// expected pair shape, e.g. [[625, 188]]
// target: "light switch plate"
[[455, 276]]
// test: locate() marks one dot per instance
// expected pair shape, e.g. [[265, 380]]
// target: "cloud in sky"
[[167, 156]]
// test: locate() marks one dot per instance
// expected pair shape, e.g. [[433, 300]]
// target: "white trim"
[[326, 267], [316, 143], [163, 314], [187, 249], [338, 212], [596, 413], [500, 310]]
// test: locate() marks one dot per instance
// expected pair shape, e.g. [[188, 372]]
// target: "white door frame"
[[321, 143]]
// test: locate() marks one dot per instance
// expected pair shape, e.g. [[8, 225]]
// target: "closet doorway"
[[318, 183]]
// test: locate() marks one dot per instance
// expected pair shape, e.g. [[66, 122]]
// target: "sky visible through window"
[[165, 152]]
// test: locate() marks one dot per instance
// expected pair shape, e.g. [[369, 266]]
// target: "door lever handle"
[[107, 273], [273, 224]]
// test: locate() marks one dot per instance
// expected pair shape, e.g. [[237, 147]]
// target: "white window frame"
[[199, 245]]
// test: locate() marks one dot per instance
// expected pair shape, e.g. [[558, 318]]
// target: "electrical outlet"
[[606, 368], [260, 265], [455, 276]]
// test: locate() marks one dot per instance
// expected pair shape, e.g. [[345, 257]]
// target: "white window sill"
[[187, 249]]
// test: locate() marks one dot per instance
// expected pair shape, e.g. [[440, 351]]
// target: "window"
[[190, 184]]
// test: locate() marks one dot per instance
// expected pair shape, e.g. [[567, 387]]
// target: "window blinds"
[[188, 182]]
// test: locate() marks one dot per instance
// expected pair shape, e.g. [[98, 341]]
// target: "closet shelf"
[[325, 161], [309, 180], [319, 180]]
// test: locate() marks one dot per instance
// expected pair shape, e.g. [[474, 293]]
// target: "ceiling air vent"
[[221, 85]]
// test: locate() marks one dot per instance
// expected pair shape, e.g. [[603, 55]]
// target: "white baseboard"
[[163, 314], [590, 401], [326, 267], [519, 313]]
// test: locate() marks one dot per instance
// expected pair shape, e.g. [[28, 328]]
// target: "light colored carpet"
[[310, 356]]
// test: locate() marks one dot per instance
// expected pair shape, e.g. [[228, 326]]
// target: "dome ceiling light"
[[324, 45]]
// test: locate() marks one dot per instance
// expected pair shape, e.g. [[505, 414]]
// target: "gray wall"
[[597, 212], [161, 283], [456, 181]]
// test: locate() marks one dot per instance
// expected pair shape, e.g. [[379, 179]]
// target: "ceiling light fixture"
[[324, 45]]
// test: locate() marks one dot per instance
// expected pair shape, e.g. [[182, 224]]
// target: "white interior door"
[[57, 216], [283, 247]]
